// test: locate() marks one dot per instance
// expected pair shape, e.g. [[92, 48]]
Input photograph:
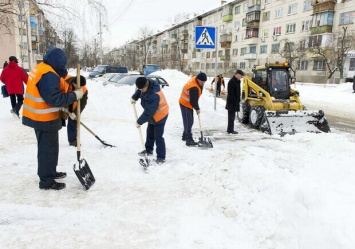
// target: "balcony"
[[164, 44], [321, 29], [251, 41], [323, 6], [250, 56], [173, 41], [255, 7], [225, 57], [227, 18], [183, 50]]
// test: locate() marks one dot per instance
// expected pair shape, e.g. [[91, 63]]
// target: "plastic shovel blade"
[[84, 174], [205, 143], [144, 162]]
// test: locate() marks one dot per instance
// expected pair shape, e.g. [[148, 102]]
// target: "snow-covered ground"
[[250, 191]]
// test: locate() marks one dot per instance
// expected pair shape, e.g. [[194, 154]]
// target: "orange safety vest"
[[34, 106], [163, 107], [185, 94]]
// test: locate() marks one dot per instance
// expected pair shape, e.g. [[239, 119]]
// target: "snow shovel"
[[144, 162], [203, 142], [81, 168], [103, 142]]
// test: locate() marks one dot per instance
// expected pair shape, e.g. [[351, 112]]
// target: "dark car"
[[131, 80], [103, 69]]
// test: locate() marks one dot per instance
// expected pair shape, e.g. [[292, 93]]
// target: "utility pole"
[[101, 53]]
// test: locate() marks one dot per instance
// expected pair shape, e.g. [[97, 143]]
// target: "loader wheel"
[[243, 114], [255, 116]]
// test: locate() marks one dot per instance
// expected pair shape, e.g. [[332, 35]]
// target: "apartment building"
[[255, 32], [30, 34]]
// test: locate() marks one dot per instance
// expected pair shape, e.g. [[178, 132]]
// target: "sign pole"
[[216, 70]]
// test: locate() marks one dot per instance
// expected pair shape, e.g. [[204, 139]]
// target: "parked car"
[[103, 69], [104, 77], [115, 78], [131, 80]]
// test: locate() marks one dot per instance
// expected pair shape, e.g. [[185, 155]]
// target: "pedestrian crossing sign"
[[205, 37]]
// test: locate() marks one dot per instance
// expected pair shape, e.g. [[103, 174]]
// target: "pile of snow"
[[250, 191]]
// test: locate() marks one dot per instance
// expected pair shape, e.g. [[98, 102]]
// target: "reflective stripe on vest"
[[185, 93], [34, 106], [163, 108]]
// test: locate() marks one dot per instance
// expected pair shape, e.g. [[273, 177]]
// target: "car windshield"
[[99, 69], [117, 77], [129, 80]]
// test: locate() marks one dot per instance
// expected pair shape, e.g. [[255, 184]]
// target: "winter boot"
[[59, 175], [160, 160], [144, 152], [190, 142], [73, 143], [55, 186]]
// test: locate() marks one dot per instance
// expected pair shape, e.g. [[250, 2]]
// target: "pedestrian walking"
[[354, 84], [13, 76], [233, 99], [156, 111], [219, 83], [44, 99], [189, 98]]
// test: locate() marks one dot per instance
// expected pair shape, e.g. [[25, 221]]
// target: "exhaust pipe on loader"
[[291, 122]]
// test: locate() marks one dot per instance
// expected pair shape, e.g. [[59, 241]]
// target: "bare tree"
[[292, 53], [6, 16], [70, 47], [144, 33]]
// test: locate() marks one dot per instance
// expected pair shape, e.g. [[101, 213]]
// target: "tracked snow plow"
[[270, 104]]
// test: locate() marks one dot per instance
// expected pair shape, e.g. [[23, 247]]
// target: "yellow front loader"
[[270, 104]]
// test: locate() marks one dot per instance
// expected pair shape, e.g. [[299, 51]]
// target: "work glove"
[[79, 93], [133, 101], [138, 125], [72, 115], [198, 111]]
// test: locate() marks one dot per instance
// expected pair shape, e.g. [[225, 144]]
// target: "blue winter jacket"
[[49, 88], [150, 102]]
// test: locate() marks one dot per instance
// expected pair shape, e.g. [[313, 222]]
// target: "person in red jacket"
[[13, 77]]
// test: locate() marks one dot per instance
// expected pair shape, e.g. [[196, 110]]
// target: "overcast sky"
[[126, 17]]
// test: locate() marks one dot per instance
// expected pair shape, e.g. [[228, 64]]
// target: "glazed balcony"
[[227, 18], [323, 6], [250, 56], [321, 29], [225, 57]]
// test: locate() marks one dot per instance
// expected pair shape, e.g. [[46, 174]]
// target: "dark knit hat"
[[13, 58], [202, 76], [141, 82], [239, 72]]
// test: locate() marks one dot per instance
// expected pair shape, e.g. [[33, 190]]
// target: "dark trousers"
[[218, 90], [231, 118], [188, 121], [71, 130], [47, 156], [155, 134], [354, 86], [16, 104]]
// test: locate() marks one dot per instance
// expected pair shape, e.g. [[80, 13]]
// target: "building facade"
[[30, 34], [255, 32]]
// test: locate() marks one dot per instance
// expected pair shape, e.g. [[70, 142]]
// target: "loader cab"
[[279, 81], [260, 78]]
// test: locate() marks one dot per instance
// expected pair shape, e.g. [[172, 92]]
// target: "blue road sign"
[[205, 37]]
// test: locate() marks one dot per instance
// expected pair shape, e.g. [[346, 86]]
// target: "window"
[[278, 13], [235, 52], [306, 25], [277, 31], [220, 53], [252, 49], [235, 38], [314, 41], [214, 54], [275, 48], [267, 1], [215, 18], [352, 64], [22, 18], [307, 5], [213, 66], [302, 45], [263, 49], [347, 18], [243, 51], [244, 22], [203, 55], [208, 55], [322, 19], [264, 33], [292, 9], [302, 65], [242, 65], [208, 66], [291, 28], [237, 10], [202, 65], [266, 16], [221, 28], [237, 25], [319, 65], [22, 31], [220, 65]]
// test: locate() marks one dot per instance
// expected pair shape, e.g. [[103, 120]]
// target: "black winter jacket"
[[233, 97]]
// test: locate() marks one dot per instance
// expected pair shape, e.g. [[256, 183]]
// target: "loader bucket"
[[291, 122]]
